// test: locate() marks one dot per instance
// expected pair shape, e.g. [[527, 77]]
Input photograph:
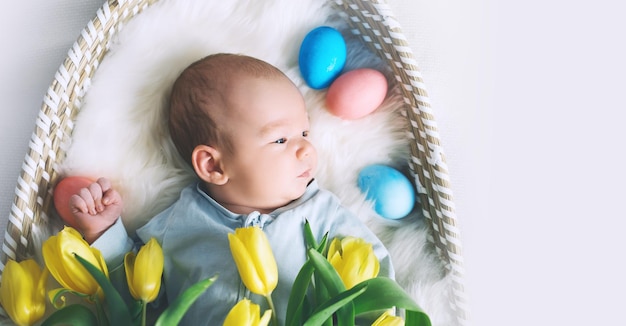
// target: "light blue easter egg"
[[391, 192], [322, 56]]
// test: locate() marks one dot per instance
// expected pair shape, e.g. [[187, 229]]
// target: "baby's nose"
[[305, 148]]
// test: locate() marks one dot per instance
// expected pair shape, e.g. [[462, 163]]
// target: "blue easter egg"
[[392, 193], [322, 56]]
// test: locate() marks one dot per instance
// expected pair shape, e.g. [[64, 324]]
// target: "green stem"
[[271, 304], [144, 306], [100, 315]]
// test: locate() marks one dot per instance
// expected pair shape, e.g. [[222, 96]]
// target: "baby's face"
[[273, 160]]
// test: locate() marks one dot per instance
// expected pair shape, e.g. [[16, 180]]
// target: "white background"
[[529, 100]]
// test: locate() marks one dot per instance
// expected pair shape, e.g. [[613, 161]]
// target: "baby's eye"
[[281, 140], [305, 133]]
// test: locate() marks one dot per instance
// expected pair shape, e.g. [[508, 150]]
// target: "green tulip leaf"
[[309, 238], [75, 314], [327, 272], [328, 275], [135, 308], [384, 293], [57, 297], [322, 246], [306, 311], [118, 311], [414, 318], [322, 315], [321, 295], [297, 296], [177, 309]]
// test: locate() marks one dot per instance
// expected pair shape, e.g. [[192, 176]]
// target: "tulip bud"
[[58, 254], [354, 260], [254, 259], [387, 319], [246, 313], [22, 291], [144, 270]]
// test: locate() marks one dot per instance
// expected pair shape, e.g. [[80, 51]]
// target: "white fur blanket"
[[121, 132]]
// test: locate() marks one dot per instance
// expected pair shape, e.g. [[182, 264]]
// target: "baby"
[[243, 127]]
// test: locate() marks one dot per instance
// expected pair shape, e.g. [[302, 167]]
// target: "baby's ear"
[[207, 164]]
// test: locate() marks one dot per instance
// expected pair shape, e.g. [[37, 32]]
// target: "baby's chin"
[[294, 195], [305, 185], [286, 198]]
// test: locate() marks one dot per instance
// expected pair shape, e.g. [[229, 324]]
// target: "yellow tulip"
[[246, 313], [23, 291], [387, 319], [144, 270], [58, 254], [353, 259], [254, 259]]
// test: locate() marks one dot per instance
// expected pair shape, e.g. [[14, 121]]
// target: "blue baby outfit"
[[193, 233]]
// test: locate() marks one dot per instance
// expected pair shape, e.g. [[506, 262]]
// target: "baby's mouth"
[[305, 174]]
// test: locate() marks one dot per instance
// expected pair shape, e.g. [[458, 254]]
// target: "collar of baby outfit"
[[256, 218]]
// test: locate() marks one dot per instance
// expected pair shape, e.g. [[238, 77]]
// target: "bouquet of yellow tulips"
[[337, 284], [81, 271], [331, 290]]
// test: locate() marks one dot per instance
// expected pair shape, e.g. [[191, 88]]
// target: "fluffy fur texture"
[[121, 132]]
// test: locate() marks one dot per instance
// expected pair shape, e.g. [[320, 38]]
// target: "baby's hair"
[[199, 91]]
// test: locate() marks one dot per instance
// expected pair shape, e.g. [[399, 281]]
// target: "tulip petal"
[[14, 279], [99, 261], [53, 261], [265, 319], [255, 314], [240, 314], [58, 252], [129, 267], [148, 269], [31, 268], [245, 265], [334, 248], [257, 244], [337, 261], [349, 244], [353, 259], [19, 292], [77, 278], [57, 297], [12, 271], [41, 286], [387, 319], [246, 313], [370, 266], [349, 274]]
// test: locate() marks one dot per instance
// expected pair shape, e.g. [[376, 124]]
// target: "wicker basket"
[[371, 20]]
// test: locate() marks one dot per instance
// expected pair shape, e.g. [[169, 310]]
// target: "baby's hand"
[[96, 208]]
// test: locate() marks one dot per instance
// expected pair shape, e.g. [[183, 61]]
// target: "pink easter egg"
[[356, 93]]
